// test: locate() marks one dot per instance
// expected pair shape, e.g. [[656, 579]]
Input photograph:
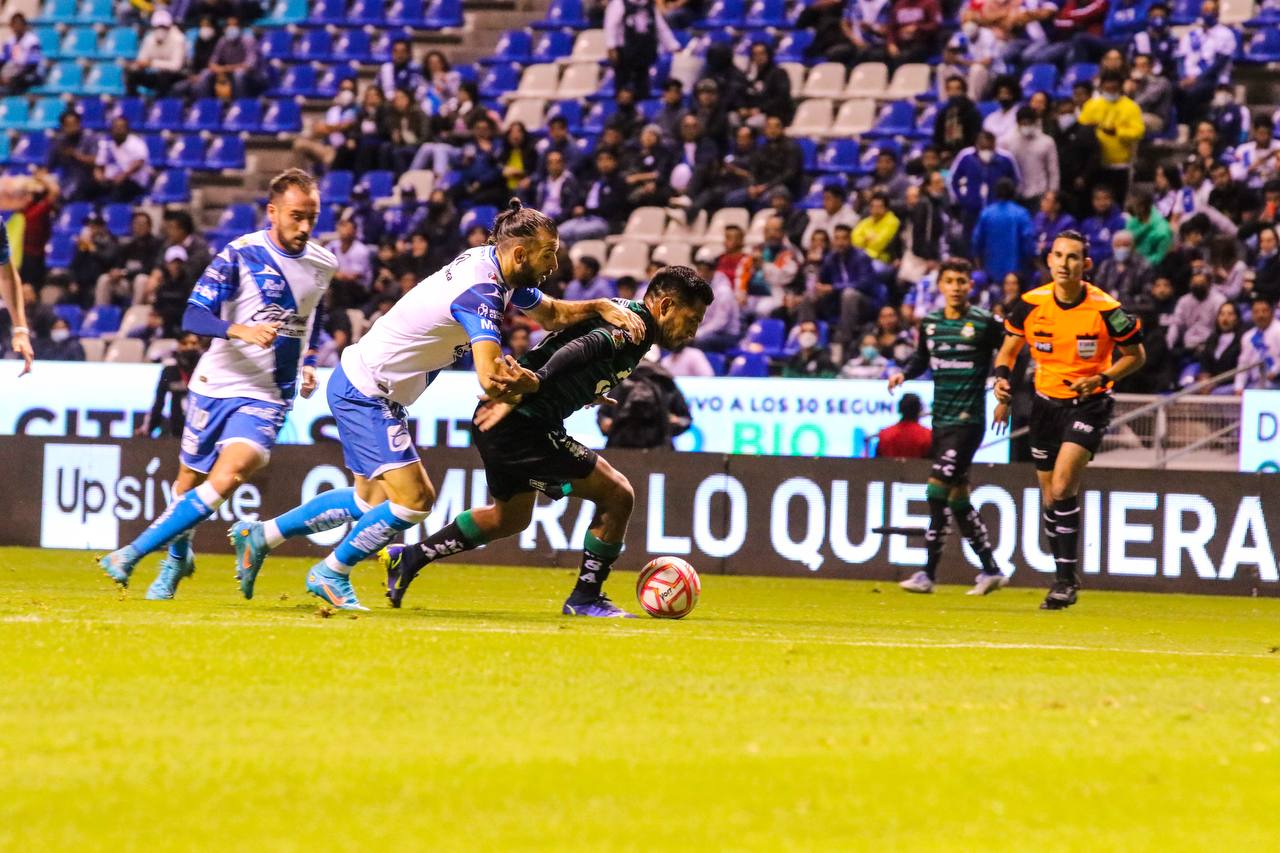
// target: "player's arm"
[[553, 314], [218, 284], [1015, 331], [479, 311], [1126, 331], [11, 293]]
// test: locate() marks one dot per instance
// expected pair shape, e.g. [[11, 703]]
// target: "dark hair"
[[837, 191], [1260, 298], [182, 219], [1198, 223], [910, 407], [960, 265], [1075, 236], [840, 227], [627, 282], [518, 222], [591, 264], [281, 183], [680, 283], [1008, 81], [557, 119], [956, 78], [881, 196], [1111, 76], [1172, 174], [673, 83], [1026, 114], [1005, 189], [732, 227]]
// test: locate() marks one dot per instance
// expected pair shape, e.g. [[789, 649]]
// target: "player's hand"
[[259, 334], [1003, 390], [629, 321], [21, 344], [1000, 420], [604, 400], [309, 382], [1084, 387], [491, 414], [896, 379], [509, 378]]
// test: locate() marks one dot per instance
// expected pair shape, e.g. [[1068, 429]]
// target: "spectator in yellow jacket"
[[1118, 121], [874, 234]]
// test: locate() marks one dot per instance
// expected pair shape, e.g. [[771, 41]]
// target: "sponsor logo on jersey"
[[1081, 426], [951, 364], [1044, 346], [291, 325]]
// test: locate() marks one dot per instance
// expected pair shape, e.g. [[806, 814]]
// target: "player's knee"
[[622, 497], [420, 498]]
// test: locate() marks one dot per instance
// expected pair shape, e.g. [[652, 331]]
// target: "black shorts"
[[953, 450], [525, 455], [1054, 422]]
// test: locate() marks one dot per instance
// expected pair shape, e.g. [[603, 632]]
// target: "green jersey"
[[613, 357], [960, 353]]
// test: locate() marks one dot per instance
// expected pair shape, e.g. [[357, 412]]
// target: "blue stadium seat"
[[132, 109], [72, 314], [839, 156], [723, 14], [5, 146], [553, 45], [895, 119], [767, 13], [157, 150], [336, 186], [63, 77], [101, 320], [327, 87], [315, 46], [986, 108], [50, 41], [72, 217], [717, 362], [513, 46], [812, 199], [243, 116], [14, 113], [793, 46], [1183, 12], [380, 50], [379, 183], [96, 12], [1262, 46], [225, 152], [1041, 77], [32, 149], [187, 152], [751, 365], [598, 116], [353, 46], [1081, 72], [498, 80], [58, 12], [166, 114], [238, 219], [119, 217], [171, 187], [481, 215], [809, 149], [119, 43], [276, 44], [59, 251], [79, 43], [327, 221], [297, 81], [764, 336], [283, 13], [925, 122], [105, 79], [407, 13], [571, 111], [283, 116], [93, 112], [328, 13], [443, 14], [584, 146], [366, 13], [563, 13], [204, 115]]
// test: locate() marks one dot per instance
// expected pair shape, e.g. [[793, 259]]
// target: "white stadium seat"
[[855, 117], [868, 80], [628, 258], [589, 46], [813, 118], [678, 231], [597, 249], [673, 254], [646, 224], [580, 80], [796, 72], [94, 348], [134, 318], [529, 111], [725, 217], [910, 81], [538, 81], [124, 351], [160, 349], [825, 80]]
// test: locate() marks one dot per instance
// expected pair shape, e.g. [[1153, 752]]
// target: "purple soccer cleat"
[[600, 608]]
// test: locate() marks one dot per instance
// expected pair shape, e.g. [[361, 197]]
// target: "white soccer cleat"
[[919, 582], [985, 584]]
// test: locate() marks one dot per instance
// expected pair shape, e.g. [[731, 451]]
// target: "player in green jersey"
[[958, 343], [525, 448]]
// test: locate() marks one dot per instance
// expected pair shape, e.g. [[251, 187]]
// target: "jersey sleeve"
[[1123, 328], [219, 283], [478, 310], [1015, 323], [995, 333], [526, 298]]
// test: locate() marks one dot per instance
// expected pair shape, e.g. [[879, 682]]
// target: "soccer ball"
[[668, 588]]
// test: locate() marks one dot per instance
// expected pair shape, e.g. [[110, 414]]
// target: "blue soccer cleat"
[[398, 577], [600, 608], [171, 574], [251, 550], [334, 588], [119, 564]]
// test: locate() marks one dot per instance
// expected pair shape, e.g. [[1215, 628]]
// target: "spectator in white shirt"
[[161, 58], [124, 164], [324, 143], [351, 282], [20, 58], [834, 211], [721, 326], [1205, 53], [1035, 153], [1004, 121], [1260, 349], [1194, 316], [1255, 161], [635, 34]]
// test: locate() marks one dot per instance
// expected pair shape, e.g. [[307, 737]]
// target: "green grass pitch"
[[782, 715]]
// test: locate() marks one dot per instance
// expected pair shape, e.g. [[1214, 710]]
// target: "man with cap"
[[721, 327], [709, 107], [161, 58]]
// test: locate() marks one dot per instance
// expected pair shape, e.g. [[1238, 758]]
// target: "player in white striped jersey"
[[258, 300], [458, 308]]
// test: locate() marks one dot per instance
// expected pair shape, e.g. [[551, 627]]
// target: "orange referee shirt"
[[1070, 342]]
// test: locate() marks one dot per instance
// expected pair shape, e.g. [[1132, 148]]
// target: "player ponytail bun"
[[518, 222]]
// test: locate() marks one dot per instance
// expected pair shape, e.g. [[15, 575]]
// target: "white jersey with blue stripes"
[[252, 280], [433, 325]]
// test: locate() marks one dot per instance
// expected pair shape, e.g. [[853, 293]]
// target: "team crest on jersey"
[[1086, 347], [968, 331], [619, 338], [269, 280], [930, 329]]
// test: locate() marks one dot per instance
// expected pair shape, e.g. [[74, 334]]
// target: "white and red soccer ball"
[[668, 588]]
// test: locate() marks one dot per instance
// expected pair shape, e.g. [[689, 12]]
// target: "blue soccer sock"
[[180, 547], [325, 511], [371, 533], [182, 515]]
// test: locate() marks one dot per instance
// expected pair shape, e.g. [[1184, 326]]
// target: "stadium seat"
[[366, 13], [597, 249], [1081, 72], [14, 113], [166, 114], [868, 80], [813, 118], [132, 109], [60, 250], [809, 151], [50, 41], [101, 320], [125, 351], [283, 116], [513, 46], [327, 86], [335, 187], [243, 116], [63, 77], [204, 115], [134, 317], [353, 46], [795, 73], [570, 111], [171, 187], [159, 349], [723, 14], [499, 80], [589, 46], [483, 215], [764, 336], [627, 258], [854, 117], [723, 218], [79, 43], [422, 180], [443, 14], [327, 13], [538, 81], [563, 13], [838, 156], [72, 314], [751, 365], [239, 218], [793, 46], [925, 122], [552, 45], [1262, 46], [119, 218], [672, 254], [314, 46], [99, 12], [606, 91], [104, 79], [157, 149], [913, 80], [119, 43], [527, 111], [297, 81], [825, 80], [284, 13], [379, 183], [765, 14], [58, 12], [646, 225], [187, 152], [226, 152], [276, 44], [894, 119], [31, 149], [94, 348], [93, 112], [72, 217], [1183, 12]]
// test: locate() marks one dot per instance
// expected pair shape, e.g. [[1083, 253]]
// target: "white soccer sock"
[[271, 533]]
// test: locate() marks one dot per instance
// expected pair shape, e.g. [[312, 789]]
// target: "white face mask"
[[206, 33], [986, 155], [1110, 97], [1066, 120], [1122, 254], [1028, 131], [970, 30], [59, 335], [346, 98], [1221, 99], [807, 340], [162, 33], [232, 32]]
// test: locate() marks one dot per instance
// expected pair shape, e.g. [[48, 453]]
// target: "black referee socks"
[[1066, 551]]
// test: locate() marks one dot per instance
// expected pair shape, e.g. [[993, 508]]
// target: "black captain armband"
[[1002, 371]]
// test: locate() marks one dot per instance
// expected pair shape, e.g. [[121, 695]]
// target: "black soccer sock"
[[973, 528], [1067, 514], [935, 538], [457, 536], [1050, 520], [597, 561]]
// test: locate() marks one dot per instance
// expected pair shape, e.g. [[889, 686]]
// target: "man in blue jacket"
[[1004, 237], [1107, 219], [974, 173]]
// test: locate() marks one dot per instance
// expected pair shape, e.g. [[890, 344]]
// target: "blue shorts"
[[215, 421], [374, 431]]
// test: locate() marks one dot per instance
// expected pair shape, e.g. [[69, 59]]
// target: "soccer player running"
[[389, 368], [958, 343], [526, 450], [1074, 329], [257, 300]]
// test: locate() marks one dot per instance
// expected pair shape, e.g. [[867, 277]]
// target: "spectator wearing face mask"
[[60, 345], [1119, 125], [1102, 226], [1050, 221], [867, 363], [1152, 235], [1228, 120], [236, 53], [958, 121], [172, 388], [1002, 122], [1152, 93], [322, 145], [1194, 317], [1079, 159], [1126, 275], [721, 327], [1206, 51], [1266, 269], [1036, 155], [811, 361], [1157, 42], [974, 173], [161, 57], [1254, 162]]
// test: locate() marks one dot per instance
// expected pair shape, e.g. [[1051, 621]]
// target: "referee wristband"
[[1002, 371], [1107, 380]]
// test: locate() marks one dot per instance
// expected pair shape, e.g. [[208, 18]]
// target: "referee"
[[1073, 328]]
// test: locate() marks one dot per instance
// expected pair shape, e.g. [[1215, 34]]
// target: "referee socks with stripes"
[[1066, 542]]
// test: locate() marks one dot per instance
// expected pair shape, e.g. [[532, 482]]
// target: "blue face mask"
[[870, 353], [232, 32], [1209, 20], [1159, 24]]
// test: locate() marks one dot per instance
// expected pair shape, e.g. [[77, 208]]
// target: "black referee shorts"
[[522, 454], [1055, 422], [953, 451]]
